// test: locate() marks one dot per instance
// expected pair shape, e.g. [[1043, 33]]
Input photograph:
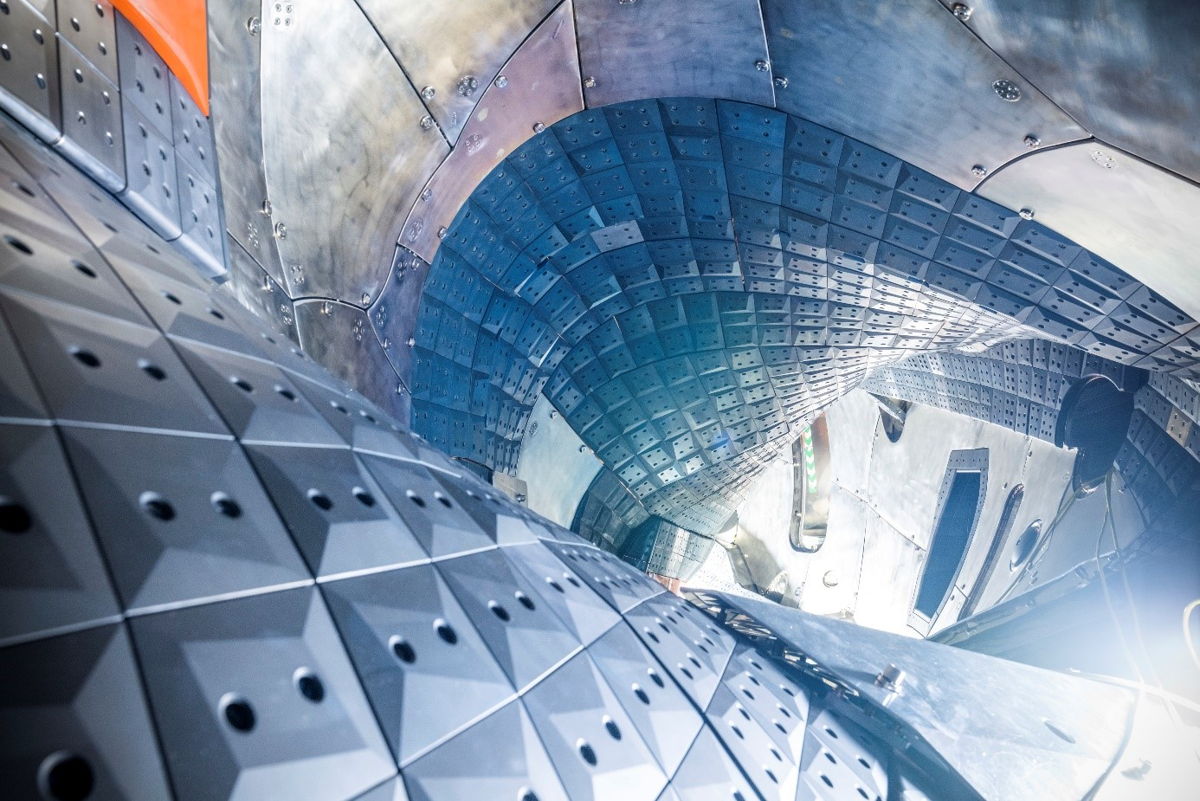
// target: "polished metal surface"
[[1128, 211], [452, 52], [673, 48], [236, 88], [540, 85], [1126, 71], [337, 182], [911, 80]]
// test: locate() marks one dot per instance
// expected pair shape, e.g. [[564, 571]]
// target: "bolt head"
[[1032, 141], [781, 82], [254, 25], [538, 127], [266, 208], [428, 93], [962, 11], [426, 122], [280, 231], [1026, 214], [979, 171], [501, 81], [366, 298], [589, 82], [762, 65], [1007, 90]]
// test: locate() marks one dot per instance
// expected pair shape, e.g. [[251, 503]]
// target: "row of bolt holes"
[[14, 518]]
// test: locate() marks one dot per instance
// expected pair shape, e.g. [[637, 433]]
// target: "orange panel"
[[178, 31]]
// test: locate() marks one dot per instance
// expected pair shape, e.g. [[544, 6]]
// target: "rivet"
[[501, 81], [962, 11], [467, 85], [1032, 141], [428, 92], [426, 122], [1026, 214], [781, 82], [762, 65], [254, 25], [280, 231], [1007, 90], [979, 171], [589, 82], [538, 127]]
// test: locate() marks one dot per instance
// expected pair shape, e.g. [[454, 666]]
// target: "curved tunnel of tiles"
[[689, 282], [227, 573]]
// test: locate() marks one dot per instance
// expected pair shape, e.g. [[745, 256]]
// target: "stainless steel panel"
[[394, 313], [341, 338], [29, 72], [541, 85], [673, 48], [252, 287], [256, 698], [235, 90], [335, 108], [89, 25], [1136, 215], [909, 79], [91, 120], [1125, 71], [455, 49], [1029, 759]]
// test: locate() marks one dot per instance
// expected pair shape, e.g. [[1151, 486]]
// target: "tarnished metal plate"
[[29, 72], [540, 84], [341, 338], [673, 48], [234, 84], [910, 79], [1126, 71], [1139, 217], [334, 117], [456, 49]]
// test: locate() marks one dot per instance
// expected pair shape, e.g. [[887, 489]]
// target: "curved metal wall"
[[690, 280]]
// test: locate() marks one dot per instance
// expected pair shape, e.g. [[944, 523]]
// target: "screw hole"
[[610, 726], [64, 776], [445, 631], [156, 506], [310, 686], [525, 600], [241, 384], [403, 651], [499, 611], [18, 245], [238, 713], [14, 518], [417, 499], [640, 694], [364, 497], [152, 370], [586, 753], [320, 500], [225, 505]]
